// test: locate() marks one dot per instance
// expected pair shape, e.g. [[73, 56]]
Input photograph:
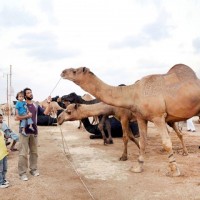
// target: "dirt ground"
[[78, 168]]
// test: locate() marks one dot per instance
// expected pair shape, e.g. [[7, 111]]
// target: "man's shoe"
[[4, 186], [24, 177], [7, 143], [6, 182], [32, 129], [34, 173]]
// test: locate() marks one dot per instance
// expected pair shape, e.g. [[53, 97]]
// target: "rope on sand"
[[69, 158]]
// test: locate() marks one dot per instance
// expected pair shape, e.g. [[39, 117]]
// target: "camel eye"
[[68, 112], [74, 72]]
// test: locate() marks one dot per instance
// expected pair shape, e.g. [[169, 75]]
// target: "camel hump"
[[183, 72]]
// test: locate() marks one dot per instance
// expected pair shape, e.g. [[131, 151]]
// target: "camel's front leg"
[[108, 128], [100, 127], [142, 124], [126, 135], [167, 145], [125, 140], [103, 121]]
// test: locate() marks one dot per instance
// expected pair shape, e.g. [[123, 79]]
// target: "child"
[[21, 109], [8, 134], [3, 162]]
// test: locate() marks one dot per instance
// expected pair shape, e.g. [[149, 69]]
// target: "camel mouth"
[[60, 122], [62, 75]]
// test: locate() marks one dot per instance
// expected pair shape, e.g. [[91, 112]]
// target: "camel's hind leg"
[[167, 145], [127, 135], [179, 134]]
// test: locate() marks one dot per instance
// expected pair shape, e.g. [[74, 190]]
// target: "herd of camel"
[[159, 98]]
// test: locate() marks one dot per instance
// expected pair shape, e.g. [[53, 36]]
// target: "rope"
[[55, 86], [68, 157]]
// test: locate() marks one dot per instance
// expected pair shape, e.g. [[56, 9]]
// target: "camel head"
[[75, 74], [69, 114]]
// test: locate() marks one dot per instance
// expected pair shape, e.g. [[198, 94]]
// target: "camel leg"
[[100, 127], [142, 124], [108, 128], [103, 121], [180, 136], [167, 145], [80, 124], [95, 120], [127, 135]]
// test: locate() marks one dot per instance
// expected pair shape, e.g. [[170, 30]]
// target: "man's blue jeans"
[[3, 169]]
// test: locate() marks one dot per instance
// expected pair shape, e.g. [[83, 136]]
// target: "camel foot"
[[173, 171], [162, 150], [173, 174], [105, 141], [108, 141], [185, 153], [137, 169], [111, 141], [123, 158]]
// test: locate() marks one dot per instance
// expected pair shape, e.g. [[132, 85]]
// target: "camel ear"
[[76, 106], [85, 69]]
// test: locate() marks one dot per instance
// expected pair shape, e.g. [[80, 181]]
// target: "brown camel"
[[159, 98], [103, 119], [80, 111]]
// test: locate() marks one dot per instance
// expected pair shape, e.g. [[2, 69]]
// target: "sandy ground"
[[76, 167]]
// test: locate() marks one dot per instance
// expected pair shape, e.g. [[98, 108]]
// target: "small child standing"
[[3, 162], [22, 110]]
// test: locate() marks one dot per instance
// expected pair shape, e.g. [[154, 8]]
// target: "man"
[[28, 145]]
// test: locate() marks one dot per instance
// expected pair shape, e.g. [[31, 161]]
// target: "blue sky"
[[120, 41]]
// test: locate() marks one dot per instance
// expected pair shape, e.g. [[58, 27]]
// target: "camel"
[[159, 98], [54, 107], [7, 109], [103, 119], [80, 111]]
